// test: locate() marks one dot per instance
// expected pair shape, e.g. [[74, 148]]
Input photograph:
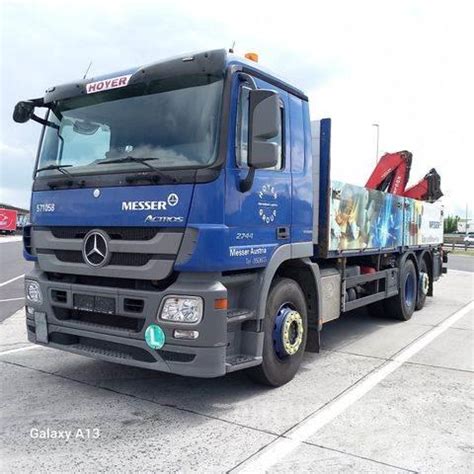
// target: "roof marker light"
[[252, 57]]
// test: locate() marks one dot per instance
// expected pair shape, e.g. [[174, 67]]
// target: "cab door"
[[258, 220]]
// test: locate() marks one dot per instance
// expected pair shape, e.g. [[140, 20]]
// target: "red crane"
[[391, 175]]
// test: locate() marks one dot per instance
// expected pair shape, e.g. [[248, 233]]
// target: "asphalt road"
[[461, 262], [382, 396], [12, 266]]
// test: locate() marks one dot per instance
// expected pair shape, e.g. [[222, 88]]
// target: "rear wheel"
[[402, 305], [285, 327], [423, 285]]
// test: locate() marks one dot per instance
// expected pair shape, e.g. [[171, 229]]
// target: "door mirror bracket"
[[25, 110]]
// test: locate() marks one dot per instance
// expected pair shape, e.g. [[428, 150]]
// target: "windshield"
[[172, 123]]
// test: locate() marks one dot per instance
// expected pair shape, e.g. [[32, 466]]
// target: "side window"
[[242, 132]]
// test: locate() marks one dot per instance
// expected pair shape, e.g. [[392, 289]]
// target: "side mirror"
[[264, 124], [23, 112]]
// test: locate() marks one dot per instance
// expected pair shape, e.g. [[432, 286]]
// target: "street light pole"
[[467, 220], [377, 145]]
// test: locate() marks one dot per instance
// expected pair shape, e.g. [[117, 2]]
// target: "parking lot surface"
[[12, 269], [63, 412]]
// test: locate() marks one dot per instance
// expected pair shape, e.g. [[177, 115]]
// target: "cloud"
[[16, 197], [16, 152]]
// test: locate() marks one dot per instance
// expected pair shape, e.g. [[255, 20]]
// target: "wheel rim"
[[409, 290], [287, 332], [424, 283]]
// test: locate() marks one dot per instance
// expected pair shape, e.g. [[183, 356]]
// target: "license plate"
[[96, 304]]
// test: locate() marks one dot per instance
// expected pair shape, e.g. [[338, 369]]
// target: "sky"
[[406, 65]]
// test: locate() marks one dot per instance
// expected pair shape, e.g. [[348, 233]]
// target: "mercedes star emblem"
[[173, 199], [95, 249]]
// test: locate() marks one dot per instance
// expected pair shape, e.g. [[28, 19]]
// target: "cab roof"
[[213, 62]]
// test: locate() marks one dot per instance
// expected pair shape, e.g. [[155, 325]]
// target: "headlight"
[[182, 309], [33, 291]]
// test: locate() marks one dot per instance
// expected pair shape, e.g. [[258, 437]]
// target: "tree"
[[451, 224]]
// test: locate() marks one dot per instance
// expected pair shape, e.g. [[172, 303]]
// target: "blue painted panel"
[[115, 206], [302, 186], [219, 248], [207, 205], [253, 217]]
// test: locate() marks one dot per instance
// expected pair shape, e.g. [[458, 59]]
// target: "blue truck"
[[183, 219]]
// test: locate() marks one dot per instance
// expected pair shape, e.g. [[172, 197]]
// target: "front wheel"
[[285, 327], [401, 306]]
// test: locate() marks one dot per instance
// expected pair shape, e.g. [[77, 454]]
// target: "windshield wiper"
[[60, 168], [130, 159], [153, 174]]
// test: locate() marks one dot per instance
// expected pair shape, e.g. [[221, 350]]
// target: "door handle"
[[283, 233]]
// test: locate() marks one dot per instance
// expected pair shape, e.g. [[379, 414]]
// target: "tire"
[[420, 302], [402, 305], [278, 367]]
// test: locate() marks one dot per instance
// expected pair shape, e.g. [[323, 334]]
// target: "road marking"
[[15, 238], [467, 272], [12, 299], [12, 280], [20, 349], [265, 459]]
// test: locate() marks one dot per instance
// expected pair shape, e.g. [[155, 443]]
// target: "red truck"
[[7, 221]]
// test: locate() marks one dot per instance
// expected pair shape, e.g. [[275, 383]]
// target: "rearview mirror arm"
[[43, 121], [246, 183], [40, 103]]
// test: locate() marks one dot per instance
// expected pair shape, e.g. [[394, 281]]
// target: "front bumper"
[[120, 337]]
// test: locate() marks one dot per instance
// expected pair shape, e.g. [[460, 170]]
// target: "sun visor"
[[210, 63]]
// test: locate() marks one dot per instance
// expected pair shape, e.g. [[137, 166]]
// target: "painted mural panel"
[[364, 219], [423, 223]]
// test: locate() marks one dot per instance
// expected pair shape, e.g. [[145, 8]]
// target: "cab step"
[[241, 361], [239, 315]]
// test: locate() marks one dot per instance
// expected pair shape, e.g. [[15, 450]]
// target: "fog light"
[[185, 334], [33, 291], [30, 310], [182, 309]]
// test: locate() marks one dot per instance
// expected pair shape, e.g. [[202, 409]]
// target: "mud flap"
[[313, 341]]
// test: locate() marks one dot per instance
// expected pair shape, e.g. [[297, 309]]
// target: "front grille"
[[100, 319], [115, 233], [133, 305], [125, 259], [59, 296], [111, 282], [27, 239], [130, 259]]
